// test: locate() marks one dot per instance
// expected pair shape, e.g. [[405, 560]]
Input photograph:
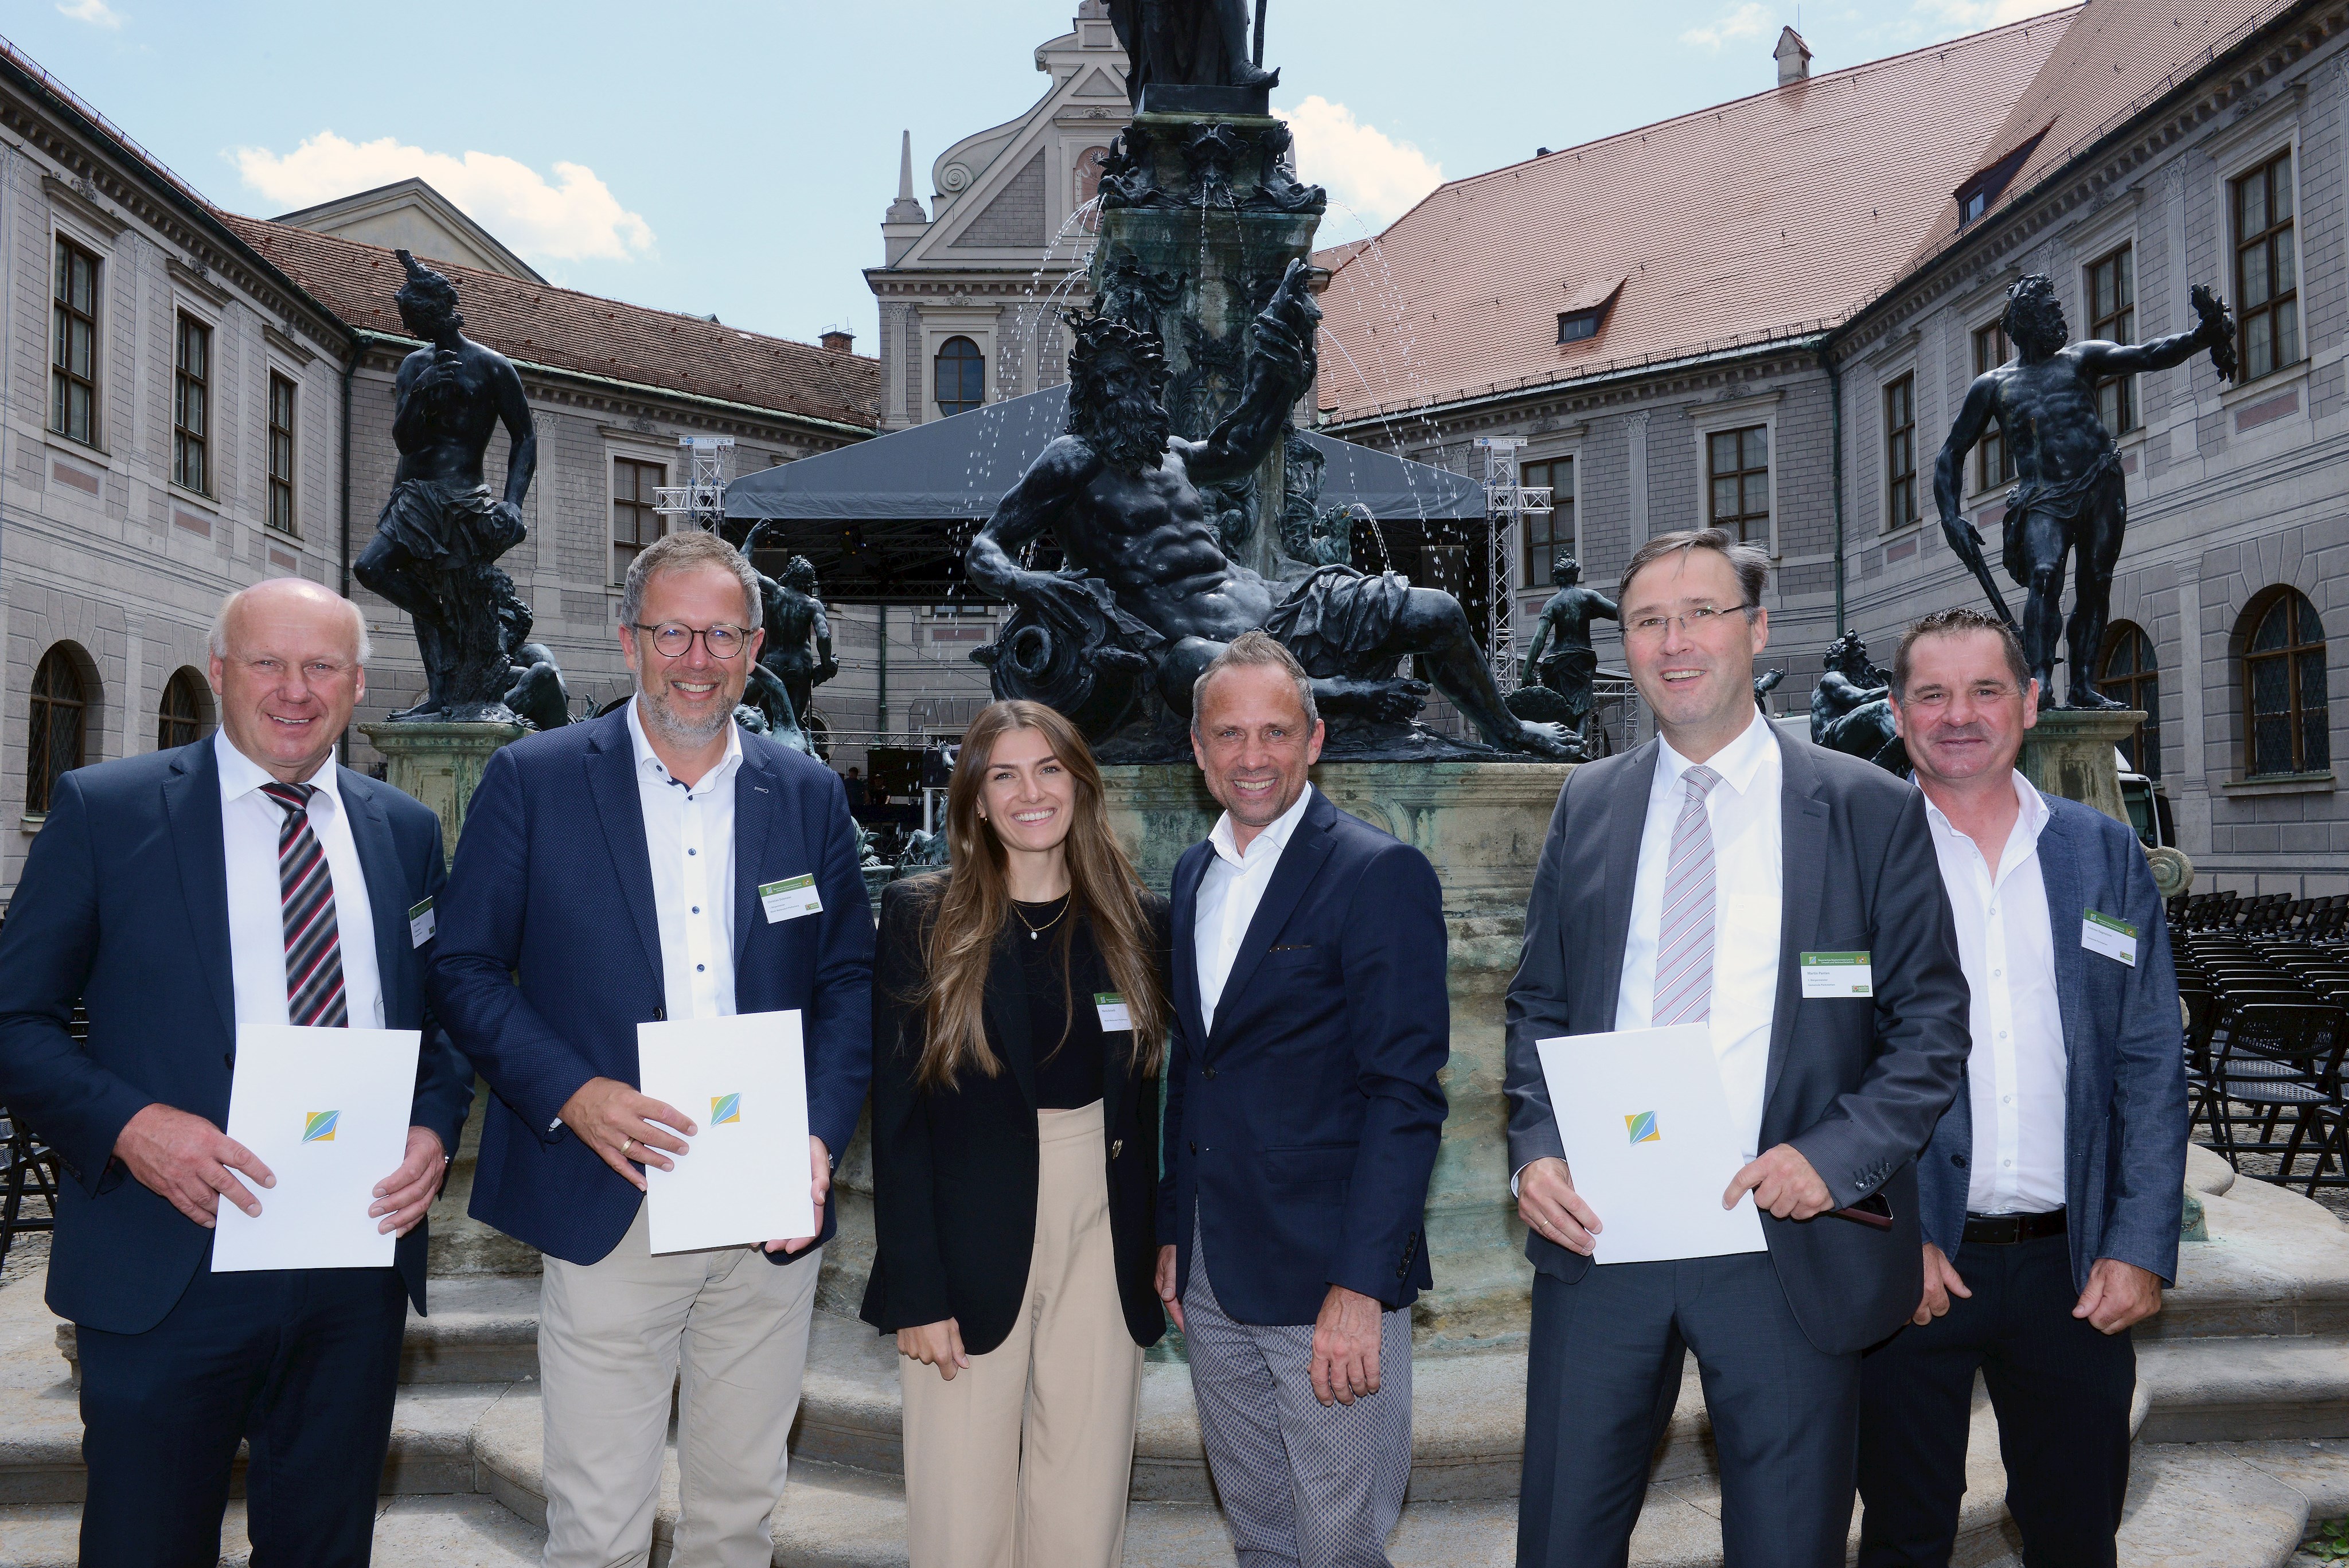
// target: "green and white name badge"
[[790, 901], [421, 924], [2113, 939], [1837, 974], [1113, 1010]]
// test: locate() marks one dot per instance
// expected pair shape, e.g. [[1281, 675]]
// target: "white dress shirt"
[[1748, 891], [249, 822], [689, 834], [1229, 893], [2015, 1074]]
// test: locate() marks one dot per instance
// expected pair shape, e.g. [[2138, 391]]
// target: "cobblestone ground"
[[28, 1256]]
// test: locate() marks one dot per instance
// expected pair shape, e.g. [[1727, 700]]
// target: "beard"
[[653, 708], [2039, 331], [1129, 433]]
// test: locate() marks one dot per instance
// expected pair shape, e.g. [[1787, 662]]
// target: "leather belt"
[[2006, 1230]]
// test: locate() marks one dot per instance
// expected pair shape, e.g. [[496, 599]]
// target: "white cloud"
[[576, 218], [93, 12], [1380, 178], [1751, 20]]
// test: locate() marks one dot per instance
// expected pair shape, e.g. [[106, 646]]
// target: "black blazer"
[[954, 1174], [1856, 1086]]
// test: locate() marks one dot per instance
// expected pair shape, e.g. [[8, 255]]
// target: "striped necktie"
[[313, 954], [1684, 991]]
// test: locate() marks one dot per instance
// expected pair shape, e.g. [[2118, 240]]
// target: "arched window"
[[961, 377], [184, 713], [2129, 676], [2284, 682], [60, 705]]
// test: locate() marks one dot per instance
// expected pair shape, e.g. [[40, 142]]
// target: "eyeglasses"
[[673, 639], [1694, 622]]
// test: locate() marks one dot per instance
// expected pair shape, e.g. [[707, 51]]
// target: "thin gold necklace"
[[1036, 932]]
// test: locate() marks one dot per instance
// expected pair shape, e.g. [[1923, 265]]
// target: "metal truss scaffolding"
[[1507, 503]]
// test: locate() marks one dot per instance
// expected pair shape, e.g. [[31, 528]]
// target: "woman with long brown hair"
[[1019, 1014]]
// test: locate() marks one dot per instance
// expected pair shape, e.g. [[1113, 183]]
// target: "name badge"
[[2113, 939], [421, 924], [790, 901], [1837, 974], [1113, 1010]]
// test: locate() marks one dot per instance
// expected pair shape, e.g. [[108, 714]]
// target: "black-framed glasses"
[[673, 639]]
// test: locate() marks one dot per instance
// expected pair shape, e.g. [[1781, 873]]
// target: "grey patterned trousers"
[[1303, 1485]]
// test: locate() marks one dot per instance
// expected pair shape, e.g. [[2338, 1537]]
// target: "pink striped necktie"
[[314, 953], [1684, 991]]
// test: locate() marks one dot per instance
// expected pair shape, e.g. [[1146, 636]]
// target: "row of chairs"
[[2325, 920], [2267, 1024]]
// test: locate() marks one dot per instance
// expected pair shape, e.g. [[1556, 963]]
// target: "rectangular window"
[[1738, 464], [191, 407], [73, 373], [2267, 273], [635, 524], [1993, 464], [281, 453], [2112, 317], [1546, 536], [1900, 453]]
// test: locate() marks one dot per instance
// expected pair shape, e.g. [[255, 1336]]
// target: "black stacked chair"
[[2279, 1057]]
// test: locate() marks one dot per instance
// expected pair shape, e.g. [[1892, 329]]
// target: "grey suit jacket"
[[1856, 1086], [2124, 1125]]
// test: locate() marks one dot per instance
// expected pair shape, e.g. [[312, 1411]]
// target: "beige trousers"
[[1022, 1462], [727, 1329]]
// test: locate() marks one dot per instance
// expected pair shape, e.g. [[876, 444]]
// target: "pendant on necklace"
[[1032, 936]]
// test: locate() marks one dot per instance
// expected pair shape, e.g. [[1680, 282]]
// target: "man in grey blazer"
[[1682, 883], [2057, 1175]]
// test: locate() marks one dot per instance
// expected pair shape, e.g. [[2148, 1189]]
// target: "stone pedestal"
[[1482, 824], [2070, 753], [440, 763]]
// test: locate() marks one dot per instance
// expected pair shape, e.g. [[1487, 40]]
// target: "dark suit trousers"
[[300, 1363], [2062, 1390], [1604, 1369]]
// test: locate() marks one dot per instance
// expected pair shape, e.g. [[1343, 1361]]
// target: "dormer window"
[[1574, 325], [1989, 182], [1587, 305]]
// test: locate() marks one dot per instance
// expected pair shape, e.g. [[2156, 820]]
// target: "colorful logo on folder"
[[724, 1108], [1642, 1127], [318, 1127]]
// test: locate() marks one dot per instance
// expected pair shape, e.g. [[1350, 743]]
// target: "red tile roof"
[[2116, 58], [1769, 217], [564, 329]]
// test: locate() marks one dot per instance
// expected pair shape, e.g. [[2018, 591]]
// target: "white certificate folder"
[[742, 1081], [328, 1111], [1646, 1127]]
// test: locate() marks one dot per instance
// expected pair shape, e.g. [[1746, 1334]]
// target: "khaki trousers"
[[727, 1329], [1022, 1462]]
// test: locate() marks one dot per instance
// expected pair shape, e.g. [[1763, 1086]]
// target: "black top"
[[1066, 1042], [955, 1171]]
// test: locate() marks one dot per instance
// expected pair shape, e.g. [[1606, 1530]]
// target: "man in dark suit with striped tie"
[[181, 896]]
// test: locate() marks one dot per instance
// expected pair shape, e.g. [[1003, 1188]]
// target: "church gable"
[[1099, 83], [1015, 219]]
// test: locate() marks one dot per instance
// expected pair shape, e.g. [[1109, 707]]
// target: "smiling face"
[[690, 698], [290, 676], [1026, 794], [1961, 712], [1252, 740], [1690, 648]]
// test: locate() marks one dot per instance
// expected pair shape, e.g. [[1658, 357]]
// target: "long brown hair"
[[970, 908]]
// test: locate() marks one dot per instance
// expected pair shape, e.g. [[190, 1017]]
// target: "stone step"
[[2245, 1390], [466, 1531]]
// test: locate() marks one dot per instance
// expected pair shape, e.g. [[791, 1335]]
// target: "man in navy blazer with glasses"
[[183, 896], [610, 874]]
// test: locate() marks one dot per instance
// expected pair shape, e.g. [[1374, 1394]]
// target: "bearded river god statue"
[[1146, 595], [436, 546], [2070, 494]]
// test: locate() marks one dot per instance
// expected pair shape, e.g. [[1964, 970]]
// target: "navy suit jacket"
[[2124, 1126], [124, 907], [549, 957], [1301, 1129]]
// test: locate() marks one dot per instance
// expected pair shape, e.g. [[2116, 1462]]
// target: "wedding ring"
[[626, 1143]]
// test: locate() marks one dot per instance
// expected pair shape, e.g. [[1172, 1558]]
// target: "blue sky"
[[736, 158]]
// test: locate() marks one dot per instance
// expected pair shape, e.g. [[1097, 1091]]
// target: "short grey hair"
[[1750, 561], [217, 641], [1255, 648], [1959, 622], [684, 551]]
